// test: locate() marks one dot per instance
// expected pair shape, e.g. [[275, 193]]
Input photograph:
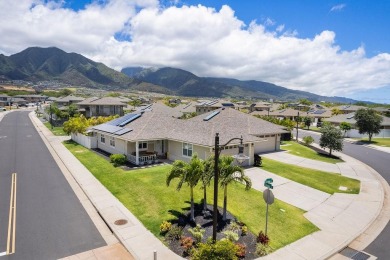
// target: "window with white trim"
[[142, 145], [112, 141], [187, 149], [102, 138]]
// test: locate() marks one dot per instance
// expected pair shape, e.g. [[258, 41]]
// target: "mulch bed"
[[206, 222]]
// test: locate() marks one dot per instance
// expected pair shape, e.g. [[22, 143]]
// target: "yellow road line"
[[12, 218]]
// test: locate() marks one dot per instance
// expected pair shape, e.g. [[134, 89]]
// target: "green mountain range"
[[52, 64], [185, 83]]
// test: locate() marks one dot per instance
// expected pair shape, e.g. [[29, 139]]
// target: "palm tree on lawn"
[[208, 173], [189, 173], [228, 174]]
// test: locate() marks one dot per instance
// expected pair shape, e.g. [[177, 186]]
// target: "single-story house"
[[287, 113], [208, 106], [153, 133], [260, 106], [33, 98], [68, 100], [350, 118], [106, 106], [346, 109]]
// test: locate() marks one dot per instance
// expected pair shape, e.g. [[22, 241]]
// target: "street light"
[[240, 157]]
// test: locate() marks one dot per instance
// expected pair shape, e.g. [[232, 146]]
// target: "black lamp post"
[[240, 157], [297, 125]]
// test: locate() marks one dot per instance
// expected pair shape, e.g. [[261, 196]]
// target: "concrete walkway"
[[341, 217]]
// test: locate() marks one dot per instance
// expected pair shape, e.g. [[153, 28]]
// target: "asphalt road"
[[379, 161], [50, 221]]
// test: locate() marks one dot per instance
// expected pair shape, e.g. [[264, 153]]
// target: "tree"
[[305, 101], [72, 110], [368, 122], [345, 126], [332, 138], [335, 111], [80, 124], [66, 92], [208, 174], [189, 173], [229, 173], [307, 121]]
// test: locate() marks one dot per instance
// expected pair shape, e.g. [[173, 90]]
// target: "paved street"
[[50, 221], [379, 161]]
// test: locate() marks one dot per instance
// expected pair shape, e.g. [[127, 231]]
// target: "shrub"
[[235, 227], [308, 140], [262, 238], [187, 243], [118, 159], [244, 230], [174, 233], [221, 250], [231, 235], [263, 250], [240, 250], [197, 232], [165, 227]]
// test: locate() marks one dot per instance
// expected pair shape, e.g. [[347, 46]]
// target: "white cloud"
[[337, 8], [203, 40]]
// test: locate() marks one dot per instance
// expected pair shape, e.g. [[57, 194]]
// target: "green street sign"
[[268, 183]]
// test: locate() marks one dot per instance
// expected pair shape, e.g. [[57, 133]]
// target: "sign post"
[[268, 198]]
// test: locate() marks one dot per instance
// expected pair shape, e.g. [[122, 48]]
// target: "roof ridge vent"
[[213, 114]]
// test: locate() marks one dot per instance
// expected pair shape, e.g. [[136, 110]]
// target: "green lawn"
[[377, 141], [320, 180], [57, 130], [306, 152], [145, 194]]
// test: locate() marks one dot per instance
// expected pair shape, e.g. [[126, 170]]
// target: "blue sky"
[[333, 48]]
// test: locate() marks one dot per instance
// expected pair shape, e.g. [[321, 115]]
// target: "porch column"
[[136, 153], [126, 148]]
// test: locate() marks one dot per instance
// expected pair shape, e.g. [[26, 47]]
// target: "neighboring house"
[[4, 100], [346, 109], [287, 113], [33, 98], [208, 106], [350, 118], [318, 115], [18, 101], [260, 106], [153, 133], [106, 106], [68, 100], [186, 108], [383, 110]]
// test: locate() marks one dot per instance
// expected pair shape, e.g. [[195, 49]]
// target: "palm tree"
[[228, 174], [189, 173], [208, 173]]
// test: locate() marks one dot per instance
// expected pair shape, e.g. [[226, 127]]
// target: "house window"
[[102, 138], [143, 145], [187, 149], [112, 141]]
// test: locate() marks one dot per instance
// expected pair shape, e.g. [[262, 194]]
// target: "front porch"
[[146, 152]]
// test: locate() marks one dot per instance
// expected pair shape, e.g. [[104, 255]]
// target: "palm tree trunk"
[[192, 205], [224, 203], [204, 199], [369, 137], [330, 152]]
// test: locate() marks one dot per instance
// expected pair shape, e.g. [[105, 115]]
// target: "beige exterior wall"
[[270, 143], [175, 151], [120, 145]]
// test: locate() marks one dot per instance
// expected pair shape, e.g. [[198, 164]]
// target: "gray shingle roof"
[[158, 123], [102, 101]]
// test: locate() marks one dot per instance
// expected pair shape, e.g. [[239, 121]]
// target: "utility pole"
[[297, 125]]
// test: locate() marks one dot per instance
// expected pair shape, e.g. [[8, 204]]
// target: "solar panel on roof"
[[228, 104], [147, 107], [107, 128], [319, 112], [207, 118], [212, 103], [129, 119], [123, 131], [350, 117], [122, 121]]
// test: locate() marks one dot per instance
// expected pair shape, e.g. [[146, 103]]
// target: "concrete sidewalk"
[[140, 242], [341, 217]]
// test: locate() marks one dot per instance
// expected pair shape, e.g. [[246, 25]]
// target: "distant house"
[[33, 98], [147, 135], [287, 113], [346, 109], [106, 106], [318, 115], [4, 100], [208, 106], [186, 108], [68, 100], [350, 118], [260, 106]]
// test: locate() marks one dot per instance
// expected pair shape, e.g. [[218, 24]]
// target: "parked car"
[[2, 108], [319, 124]]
